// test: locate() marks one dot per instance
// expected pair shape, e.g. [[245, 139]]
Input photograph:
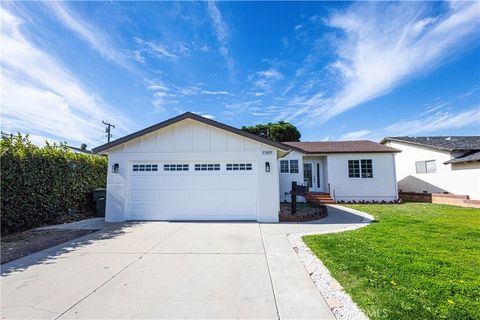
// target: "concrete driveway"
[[171, 270]]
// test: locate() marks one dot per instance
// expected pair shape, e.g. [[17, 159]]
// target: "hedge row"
[[45, 185]]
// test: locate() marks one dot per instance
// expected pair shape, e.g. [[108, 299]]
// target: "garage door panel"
[[206, 197], [193, 195], [145, 196]]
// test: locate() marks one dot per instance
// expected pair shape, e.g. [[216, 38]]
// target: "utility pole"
[[107, 129]]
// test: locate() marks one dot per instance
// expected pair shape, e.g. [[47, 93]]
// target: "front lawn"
[[418, 261]]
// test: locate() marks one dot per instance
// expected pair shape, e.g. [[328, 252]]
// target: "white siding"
[[287, 178], [381, 187], [335, 172], [190, 140], [463, 179]]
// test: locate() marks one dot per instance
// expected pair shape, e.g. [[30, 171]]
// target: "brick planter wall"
[[440, 198], [320, 214], [416, 197]]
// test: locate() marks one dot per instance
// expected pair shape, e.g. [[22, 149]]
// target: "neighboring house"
[[79, 150], [193, 168], [438, 164], [347, 170]]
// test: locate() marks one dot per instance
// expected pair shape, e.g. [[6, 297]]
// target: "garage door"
[[180, 190]]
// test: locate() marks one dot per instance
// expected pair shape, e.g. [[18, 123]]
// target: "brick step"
[[319, 198], [322, 201]]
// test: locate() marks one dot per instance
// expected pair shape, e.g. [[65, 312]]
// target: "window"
[[175, 167], [293, 166], [207, 167], [429, 166], [283, 166], [360, 168], [366, 168], [145, 167], [353, 169], [239, 166]]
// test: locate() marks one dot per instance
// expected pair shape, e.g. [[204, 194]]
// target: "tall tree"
[[281, 131]]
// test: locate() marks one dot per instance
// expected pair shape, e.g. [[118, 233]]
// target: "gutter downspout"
[[395, 175]]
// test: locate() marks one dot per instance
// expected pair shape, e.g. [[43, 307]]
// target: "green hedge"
[[45, 185]]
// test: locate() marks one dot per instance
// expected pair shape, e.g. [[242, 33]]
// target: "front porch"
[[307, 170], [315, 173]]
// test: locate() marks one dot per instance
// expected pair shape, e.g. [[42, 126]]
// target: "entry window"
[[145, 167], [360, 168], [293, 166], [429, 166], [175, 167], [207, 167], [239, 166], [283, 166]]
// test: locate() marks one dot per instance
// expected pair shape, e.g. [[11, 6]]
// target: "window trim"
[[298, 166], [288, 167], [425, 166], [360, 169]]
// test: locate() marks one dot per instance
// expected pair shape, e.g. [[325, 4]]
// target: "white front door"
[[312, 175]]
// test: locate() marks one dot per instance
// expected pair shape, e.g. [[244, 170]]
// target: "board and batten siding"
[[461, 178], [193, 141]]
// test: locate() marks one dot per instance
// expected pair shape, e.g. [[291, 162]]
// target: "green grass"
[[417, 261]]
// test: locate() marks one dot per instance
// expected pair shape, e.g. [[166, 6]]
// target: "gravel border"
[[338, 300]]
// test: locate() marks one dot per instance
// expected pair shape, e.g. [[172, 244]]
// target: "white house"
[[347, 170], [438, 164], [193, 168]]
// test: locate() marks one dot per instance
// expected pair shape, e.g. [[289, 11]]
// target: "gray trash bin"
[[100, 196]]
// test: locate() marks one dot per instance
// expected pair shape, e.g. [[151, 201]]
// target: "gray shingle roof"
[[467, 157], [449, 143]]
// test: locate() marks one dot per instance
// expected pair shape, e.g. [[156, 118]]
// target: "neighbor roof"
[[448, 143], [196, 117], [467, 157], [358, 146]]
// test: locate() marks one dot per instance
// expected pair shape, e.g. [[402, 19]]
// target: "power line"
[[108, 129]]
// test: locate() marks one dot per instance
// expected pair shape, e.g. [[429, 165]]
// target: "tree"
[[281, 131]]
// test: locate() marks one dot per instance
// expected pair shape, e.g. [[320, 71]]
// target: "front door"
[[308, 175], [312, 171]]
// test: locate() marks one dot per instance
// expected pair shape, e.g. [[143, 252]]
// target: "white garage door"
[[180, 190]]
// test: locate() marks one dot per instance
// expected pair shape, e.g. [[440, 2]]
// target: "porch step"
[[319, 198]]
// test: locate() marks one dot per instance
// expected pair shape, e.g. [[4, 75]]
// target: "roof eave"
[[417, 144]]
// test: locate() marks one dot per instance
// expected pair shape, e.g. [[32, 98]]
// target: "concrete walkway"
[[171, 270]]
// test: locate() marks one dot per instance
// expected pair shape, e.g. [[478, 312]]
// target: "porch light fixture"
[[267, 166], [115, 168]]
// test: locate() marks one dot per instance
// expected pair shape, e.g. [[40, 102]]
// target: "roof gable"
[[184, 116]]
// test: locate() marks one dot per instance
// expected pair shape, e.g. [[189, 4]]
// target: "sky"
[[336, 70]]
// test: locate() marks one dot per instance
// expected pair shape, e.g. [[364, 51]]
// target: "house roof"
[[358, 146], [467, 157], [196, 117], [448, 143], [79, 150]]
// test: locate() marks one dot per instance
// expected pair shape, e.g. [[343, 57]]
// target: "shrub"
[[45, 185]]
